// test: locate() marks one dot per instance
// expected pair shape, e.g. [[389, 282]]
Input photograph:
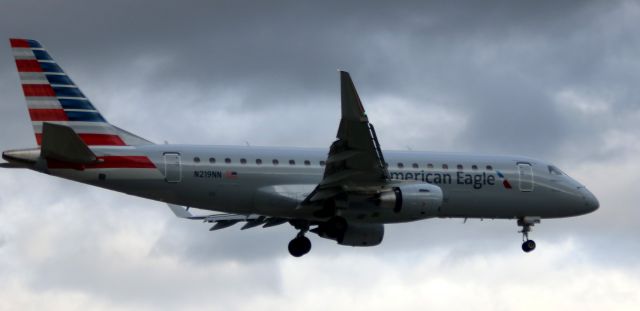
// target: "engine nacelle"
[[355, 234], [418, 200], [362, 235]]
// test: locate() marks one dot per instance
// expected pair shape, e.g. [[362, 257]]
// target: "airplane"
[[345, 193]]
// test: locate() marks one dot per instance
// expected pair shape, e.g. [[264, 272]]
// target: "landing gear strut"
[[300, 245], [526, 223]]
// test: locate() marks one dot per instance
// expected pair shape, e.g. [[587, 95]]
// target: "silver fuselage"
[[249, 182]]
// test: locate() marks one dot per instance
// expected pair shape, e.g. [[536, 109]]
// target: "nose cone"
[[592, 203]]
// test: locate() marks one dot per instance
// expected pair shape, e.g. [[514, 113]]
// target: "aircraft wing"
[[355, 160], [226, 220]]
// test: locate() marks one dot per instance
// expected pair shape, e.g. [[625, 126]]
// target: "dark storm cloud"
[[554, 79], [499, 62]]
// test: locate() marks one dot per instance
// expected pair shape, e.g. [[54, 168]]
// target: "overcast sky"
[[556, 80]]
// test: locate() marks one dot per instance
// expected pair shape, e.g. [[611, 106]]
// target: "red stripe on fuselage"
[[102, 140], [47, 115], [105, 162], [19, 43], [94, 139], [125, 162], [28, 65], [38, 90]]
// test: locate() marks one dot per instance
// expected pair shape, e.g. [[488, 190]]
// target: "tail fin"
[[52, 97]]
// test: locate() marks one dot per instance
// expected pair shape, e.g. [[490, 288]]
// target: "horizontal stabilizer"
[[60, 142]]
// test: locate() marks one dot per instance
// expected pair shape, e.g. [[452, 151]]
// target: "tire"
[[299, 246], [528, 246]]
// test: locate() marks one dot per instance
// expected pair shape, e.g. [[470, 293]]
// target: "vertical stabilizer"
[[52, 97]]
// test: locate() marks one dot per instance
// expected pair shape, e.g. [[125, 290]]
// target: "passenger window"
[[414, 165], [400, 165], [243, 161], [292, 162], [212, 160], [275, 162], [445, 167], [489, 168], [460, 167], [307, 162], [430, 165], [322, 163], [196, 159], [474, 167], [258, 161], [227, 160]]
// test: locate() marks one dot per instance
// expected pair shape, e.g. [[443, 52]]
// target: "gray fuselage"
[[263, 180]]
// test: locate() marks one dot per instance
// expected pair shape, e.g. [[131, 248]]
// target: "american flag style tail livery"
[[52, 97]]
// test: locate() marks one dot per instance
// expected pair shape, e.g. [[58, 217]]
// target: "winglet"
[[180, 211]]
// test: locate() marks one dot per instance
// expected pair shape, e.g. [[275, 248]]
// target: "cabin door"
[[526, 176], [172, 167]]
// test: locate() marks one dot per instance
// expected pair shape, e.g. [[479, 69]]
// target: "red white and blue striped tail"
[[53, 97]]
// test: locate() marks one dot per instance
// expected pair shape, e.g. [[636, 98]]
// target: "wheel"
[[299, 246], [528, 246]]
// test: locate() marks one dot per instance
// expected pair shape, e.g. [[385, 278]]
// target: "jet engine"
[[353, 234], [413, 200], [362, 235]]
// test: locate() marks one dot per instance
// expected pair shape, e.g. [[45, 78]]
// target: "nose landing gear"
[[528, 245], [526, 223]]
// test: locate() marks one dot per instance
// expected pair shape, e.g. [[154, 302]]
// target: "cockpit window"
[[554, 170]]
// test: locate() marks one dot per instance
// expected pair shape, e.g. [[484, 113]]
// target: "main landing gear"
[[526, 223], [301, 244], [334, 229]]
